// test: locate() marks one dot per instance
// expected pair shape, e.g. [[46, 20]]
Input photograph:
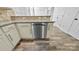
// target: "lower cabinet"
[[25, 30], [12, 34], [5, 43], [32, 30]]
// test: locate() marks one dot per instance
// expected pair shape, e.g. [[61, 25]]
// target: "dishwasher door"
[[40, 30]]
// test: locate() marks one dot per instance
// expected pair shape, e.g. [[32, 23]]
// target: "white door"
[[68, 18], [25, 30], [5, 44], [74, 29]]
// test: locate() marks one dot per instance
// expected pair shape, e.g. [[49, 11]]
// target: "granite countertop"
[[4, 23]]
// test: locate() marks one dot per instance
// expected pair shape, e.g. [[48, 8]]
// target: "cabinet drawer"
[[9, 27], [24, 25]]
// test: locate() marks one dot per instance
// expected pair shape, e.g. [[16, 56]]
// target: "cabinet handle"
[[10, 37]]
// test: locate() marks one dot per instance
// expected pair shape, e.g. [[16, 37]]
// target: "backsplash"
[[47, 18], [6, 13]]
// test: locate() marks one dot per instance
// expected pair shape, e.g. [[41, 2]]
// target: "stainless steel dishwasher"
[[40, 30]]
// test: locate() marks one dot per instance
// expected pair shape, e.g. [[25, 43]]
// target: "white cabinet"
[[25, 30], [13, 36], [12, 33], [5, 44]]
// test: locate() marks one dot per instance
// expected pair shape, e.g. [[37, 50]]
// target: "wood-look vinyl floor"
[[59, 41]]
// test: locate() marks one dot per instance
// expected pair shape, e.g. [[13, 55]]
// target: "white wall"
[[21, 11], [41, 11], [33, 11], [64, 17]]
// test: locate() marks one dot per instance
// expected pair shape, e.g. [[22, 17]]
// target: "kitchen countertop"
[[4, 23]]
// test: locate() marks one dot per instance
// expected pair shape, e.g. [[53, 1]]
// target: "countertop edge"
[[14, 22]]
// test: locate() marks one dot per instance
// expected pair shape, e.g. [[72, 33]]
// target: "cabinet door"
[[12, 33], [13, 36], [25, 30], [5, 44]]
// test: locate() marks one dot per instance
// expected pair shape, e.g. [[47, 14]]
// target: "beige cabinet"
[[12, 33], [25, 30], [5, 44]]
